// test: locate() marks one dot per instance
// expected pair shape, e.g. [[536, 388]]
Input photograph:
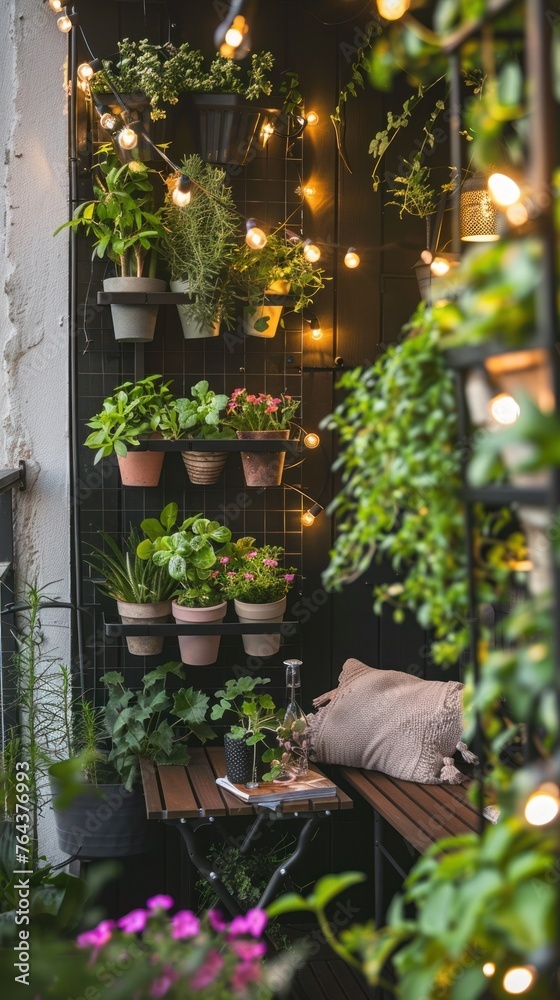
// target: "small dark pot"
[[229, 128], [105, 821], [239, 760], [263, 468]]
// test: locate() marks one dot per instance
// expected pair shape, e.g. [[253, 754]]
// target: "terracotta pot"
[[141, 468], [204, 467], [134, 324], [144, 614], [272, 313], [239, 760], [199, 650], [261, 645], [193, 329], [262, 468]]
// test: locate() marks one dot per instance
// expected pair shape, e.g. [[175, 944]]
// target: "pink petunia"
[[251, 555], [184, 925], [277, 400], [215, 574], [208, 971], [231, 572], [163, 984], [271, 409], [160, 902], [288, 398], [224, 560], [251, 399], [97, 937], [134, 922], [216, 921], [290, 577], [253, 922], [245, 973], [270, 562], [249, 576], [249, 950]]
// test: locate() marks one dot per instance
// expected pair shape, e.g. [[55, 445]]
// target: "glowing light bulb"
[[64, 24], [255, 237], [391, 10], [351, 259], [518, 979], [505, 409], [439, 266], [316, 333], [312, 440], [517, 214], [234, 35], [182, 192], [311, 252], [85, 72], [312, 118], [488, 969], [307, 519], [108, 122], [543, 805], [56, 5], [503, 189], [426, 256], [128, 138], [266, 132], [308, 191]]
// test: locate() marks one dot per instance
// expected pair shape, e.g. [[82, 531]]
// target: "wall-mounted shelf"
[[143, 298], [114, 627], [476, 354], [530, 496], [202, 445]]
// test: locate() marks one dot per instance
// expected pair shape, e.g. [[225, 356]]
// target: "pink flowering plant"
[[153, 954], [258, 577], [263, 412]]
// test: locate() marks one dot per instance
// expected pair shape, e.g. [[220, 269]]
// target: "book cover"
[[314, 786]]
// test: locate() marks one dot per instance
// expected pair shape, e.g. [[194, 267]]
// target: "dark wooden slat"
[[387, 808], [154, 805], [410, 808], [442, 814], [177, 792], [204, 785], [463, 809], [353, 988], [330, 985], [309, 984]]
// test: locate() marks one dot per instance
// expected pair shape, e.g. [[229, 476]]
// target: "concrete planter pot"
[[239, 760], [141, 468], [105, 821], [263, 468], [261, 645], [144, 614], [272, 313], [193, 329], [134, 324], [199, 650], [204, 467]]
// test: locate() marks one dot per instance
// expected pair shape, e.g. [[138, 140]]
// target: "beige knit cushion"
[[390, 721]]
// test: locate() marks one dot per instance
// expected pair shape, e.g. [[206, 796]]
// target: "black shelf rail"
[[174, 298], [114, 628], [185, 444]]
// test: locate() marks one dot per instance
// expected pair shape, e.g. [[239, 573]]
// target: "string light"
[[255, 237], [439, 266], [543, 805], [308, 516], [311, 252], [391, 10], [503, 189], [308, 191], [127, 138], [85, 72], [312, 118], [488, 969], [517, 214], [351, 258], [56, 5], [266, 132], [66, 22], [312, 440], [518, 979], [182, 192], [426, 256], [108, 121], [232, 37], [505, 409]]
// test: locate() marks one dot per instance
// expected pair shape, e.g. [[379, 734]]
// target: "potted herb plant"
[[199, 418], [256, 716], [133, 412], [190, 556], [226, 93], [142, 590], [261, 417], [279, 268], [258, 586], [127, 228], [199, 246]]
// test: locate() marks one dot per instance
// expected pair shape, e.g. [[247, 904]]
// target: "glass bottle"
[[293, 737]]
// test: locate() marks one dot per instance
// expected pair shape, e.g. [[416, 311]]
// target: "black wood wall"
[[360, 311]]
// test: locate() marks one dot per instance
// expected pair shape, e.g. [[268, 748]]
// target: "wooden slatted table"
[[188, 798]]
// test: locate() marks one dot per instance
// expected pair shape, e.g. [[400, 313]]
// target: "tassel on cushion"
[[323, 699], [450, 774], [468, 756]]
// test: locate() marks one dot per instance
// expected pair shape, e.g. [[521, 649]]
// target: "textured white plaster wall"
[[33, 304]]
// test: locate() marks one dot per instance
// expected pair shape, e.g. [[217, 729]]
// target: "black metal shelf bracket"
[[116, 628]]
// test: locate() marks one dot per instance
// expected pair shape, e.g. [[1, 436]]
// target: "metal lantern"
[[478, 214]]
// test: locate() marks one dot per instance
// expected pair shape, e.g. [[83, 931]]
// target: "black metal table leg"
[[304, 837], [187, 829]]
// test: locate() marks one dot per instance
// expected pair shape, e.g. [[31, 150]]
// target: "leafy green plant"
[[126, 577], [258, 577], [262, 412], [164, 72], [201, 241], [121, 216], [201, 416], [256, 714], [401, 494], [254, 271], [190, 555], [135, 410], [152, 723]]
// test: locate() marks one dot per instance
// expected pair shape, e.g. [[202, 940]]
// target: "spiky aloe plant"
[[127, 577]]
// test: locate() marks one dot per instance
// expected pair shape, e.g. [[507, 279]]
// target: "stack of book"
[[314, 786]]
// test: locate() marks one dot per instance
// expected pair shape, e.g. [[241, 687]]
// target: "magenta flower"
[[231, 572], [290, 577], [184, 925], [249, 576], [251, 399], [246, 972], [160, 902], [97, 937], [224, 560], [216, 921], [249, 950], [134, 922], [215, 574], [208, 971], [270, 562], [271, 409], [251, 555], [253, 922], [163, 984]]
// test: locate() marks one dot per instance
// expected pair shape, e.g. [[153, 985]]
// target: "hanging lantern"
[[478, 213]]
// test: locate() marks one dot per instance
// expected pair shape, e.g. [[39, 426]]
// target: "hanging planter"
[[261, 645], [263, 321], [239, 759], [229, 127], [204, 468], [199, 650], [144, 614], [263, 468], [105, 821], [193, 328], [134, 324]]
